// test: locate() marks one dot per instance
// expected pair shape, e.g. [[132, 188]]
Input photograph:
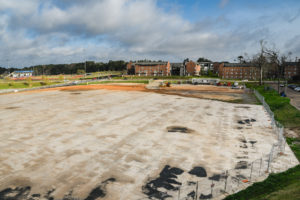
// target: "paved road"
[[295, 97]]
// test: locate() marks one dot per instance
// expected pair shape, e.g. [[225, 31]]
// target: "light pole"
[[8, 66], [85, 69]]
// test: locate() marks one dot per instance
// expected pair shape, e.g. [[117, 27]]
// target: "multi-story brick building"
[[238, 71], [192, 68], [292, 69], [149, 68]]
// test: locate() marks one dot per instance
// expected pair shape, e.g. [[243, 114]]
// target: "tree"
[[186, 61], [279, 61], [241, 59], [202, 59], [260, 61]]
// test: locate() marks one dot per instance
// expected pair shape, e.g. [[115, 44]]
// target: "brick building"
[[292, 69], [238, 71], [177, 69], [192, 68], [149, 68]]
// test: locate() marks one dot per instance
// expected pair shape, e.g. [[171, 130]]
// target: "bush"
[[43, 83]]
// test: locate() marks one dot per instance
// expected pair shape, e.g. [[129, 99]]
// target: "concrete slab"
[[73, 142]]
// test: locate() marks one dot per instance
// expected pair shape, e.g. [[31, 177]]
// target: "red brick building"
[[291, 69], [238, 71], [192, 68], [149, 68]]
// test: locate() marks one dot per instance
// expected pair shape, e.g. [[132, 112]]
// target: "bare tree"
[[279, 61], [260, 60]]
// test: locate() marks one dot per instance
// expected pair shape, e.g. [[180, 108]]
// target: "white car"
[[297, 89]]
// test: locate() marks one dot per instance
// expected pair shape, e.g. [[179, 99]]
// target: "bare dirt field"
[[123, 142]]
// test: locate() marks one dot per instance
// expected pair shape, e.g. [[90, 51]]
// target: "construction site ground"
[[117, 141]]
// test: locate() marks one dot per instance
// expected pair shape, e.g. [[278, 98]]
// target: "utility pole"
[[85, 69], [8, 66]]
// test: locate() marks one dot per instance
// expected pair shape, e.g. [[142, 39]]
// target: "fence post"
[[212, 186], [251, 171], [226, 180], [179, 193], [260, 166], [270, 155], [196, 195]]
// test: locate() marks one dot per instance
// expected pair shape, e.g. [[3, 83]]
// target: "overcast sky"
[[64, 31]]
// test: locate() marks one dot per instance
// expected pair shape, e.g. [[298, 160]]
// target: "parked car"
[[292, 86], [297, 89]]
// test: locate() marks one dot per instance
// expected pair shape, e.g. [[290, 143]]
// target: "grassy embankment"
[[285, 185], [21, 85]]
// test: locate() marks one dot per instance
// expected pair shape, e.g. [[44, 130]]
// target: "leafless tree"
[[259, 60], [279, 61]]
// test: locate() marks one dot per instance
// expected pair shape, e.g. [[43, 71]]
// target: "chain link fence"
[[232, 180]]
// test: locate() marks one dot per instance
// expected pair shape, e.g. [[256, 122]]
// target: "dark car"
[[292, 86]]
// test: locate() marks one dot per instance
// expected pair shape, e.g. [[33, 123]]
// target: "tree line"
[[73, 68]]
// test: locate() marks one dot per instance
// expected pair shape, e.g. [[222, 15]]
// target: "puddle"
[[202, 196], [198, 171], [99, 191], [12, 107], [179, 129], [167, 180], [215, 177], [192, 194], [246, 107], [15, 194], [241, 165], [23, 193], [246, 121], [252, 142], [244, 146]]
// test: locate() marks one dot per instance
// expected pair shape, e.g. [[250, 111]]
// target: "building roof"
[[292, 63], [238, 65], [177, 64], [149, 63], [29, 71]]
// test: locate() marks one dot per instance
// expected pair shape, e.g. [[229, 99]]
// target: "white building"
[[21, 74]]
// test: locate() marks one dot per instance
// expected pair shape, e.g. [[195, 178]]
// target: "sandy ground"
[[74, 140], [197, 91]]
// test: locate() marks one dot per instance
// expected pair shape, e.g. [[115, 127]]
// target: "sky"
[[34, 32]]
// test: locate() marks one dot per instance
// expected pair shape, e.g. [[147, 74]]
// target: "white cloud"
[[38, 32]]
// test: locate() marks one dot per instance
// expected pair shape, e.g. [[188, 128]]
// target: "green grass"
[[283, 186], [158, 77], [284, 112], [294, 143], [21, 85]]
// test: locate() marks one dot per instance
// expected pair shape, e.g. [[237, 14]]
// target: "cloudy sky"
[[64, 31]]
